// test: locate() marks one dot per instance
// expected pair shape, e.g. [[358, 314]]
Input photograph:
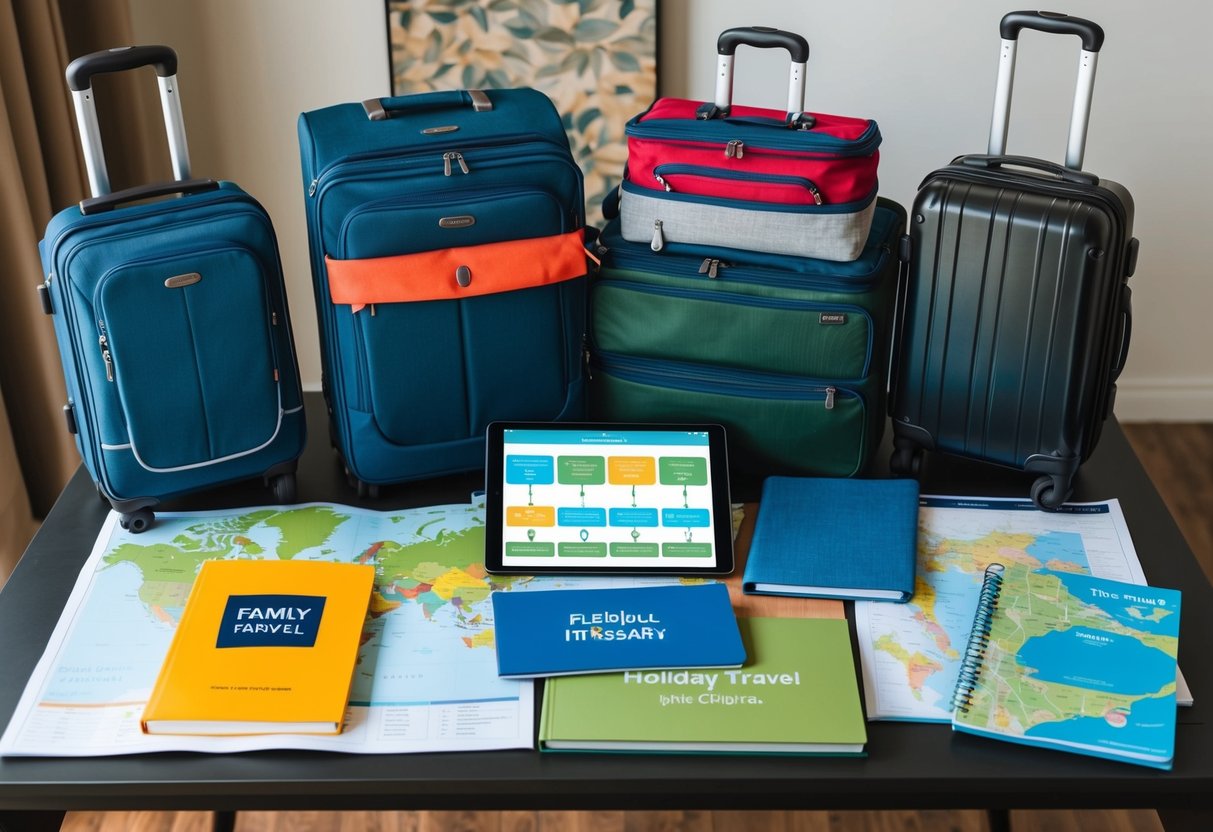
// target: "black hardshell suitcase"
[[1016, 318]]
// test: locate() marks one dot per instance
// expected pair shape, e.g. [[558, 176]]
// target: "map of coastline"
[[910, 653]]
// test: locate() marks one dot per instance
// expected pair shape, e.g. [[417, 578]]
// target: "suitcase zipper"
[[662, 173], [698, 378], [105, 352], [782, 139], [680, 266]]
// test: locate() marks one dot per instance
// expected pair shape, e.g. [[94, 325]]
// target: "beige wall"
[[923, 68]]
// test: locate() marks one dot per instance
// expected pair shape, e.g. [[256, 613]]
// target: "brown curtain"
[[42, 171]]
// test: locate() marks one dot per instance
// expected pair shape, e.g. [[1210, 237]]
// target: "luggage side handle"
[[80, 74], [1054, 23], [762, 37], [381, 109]]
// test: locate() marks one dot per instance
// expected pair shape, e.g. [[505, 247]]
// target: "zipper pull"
[[658, 239], [105, 355], [453, 156], [711, 267], [816, 193], [273, 318], [735, 149], [311, 189], [664, 184], [830, 391]]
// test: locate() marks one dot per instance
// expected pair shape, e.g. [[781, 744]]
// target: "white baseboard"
[[1154, 399]]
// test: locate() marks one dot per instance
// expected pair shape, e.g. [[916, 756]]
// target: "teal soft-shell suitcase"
[[172, 324], [446, 234]]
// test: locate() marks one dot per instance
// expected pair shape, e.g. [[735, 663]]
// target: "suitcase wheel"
[[906, 461], [137, 521], [1049, 492], [284, 488], [365, 489]]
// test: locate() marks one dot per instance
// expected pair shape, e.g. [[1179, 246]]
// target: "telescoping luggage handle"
[[1053, 23], [80, 74], [762, 37]]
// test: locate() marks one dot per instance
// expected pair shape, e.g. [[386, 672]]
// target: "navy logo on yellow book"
[[270, 621]]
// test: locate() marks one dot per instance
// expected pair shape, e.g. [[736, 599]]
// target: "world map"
[[426, 674], [430, 598]]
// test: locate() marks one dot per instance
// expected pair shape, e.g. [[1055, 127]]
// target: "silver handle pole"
[[1002, 98], [796, 81], [724, 82], [90, 142], [1080, 116], [174, 125]]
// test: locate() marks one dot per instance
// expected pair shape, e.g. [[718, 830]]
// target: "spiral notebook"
[[1072, 662]]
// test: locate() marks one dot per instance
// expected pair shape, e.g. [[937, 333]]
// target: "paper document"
[[910, 653], [426, 677]]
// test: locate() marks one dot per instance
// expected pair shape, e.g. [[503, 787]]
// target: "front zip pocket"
[[439, 369], [775, 423], [186, 339], [726, 328], [736, 184]]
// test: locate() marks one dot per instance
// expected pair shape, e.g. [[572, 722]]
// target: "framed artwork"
[[596, 59]]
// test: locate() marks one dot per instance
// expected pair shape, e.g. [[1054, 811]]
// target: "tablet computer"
[[607, 498]]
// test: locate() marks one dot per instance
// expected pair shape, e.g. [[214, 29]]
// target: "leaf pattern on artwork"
[[596, 60]]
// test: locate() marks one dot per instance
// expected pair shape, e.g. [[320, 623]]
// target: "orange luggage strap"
[[451, 273]]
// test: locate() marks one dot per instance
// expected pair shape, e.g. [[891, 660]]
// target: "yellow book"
[[263, 646]]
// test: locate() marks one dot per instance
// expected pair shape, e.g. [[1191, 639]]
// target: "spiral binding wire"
[[979, 638]]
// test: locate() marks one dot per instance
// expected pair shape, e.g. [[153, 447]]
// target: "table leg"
[[14, 821], [998, 820], [1186, 820], [223, 822]]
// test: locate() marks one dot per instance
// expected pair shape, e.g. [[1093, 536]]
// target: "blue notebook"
[[566, 631], [834, 538]]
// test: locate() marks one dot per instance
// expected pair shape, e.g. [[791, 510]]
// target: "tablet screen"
[[607, 498]]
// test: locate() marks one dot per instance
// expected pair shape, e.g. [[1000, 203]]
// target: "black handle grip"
[[1126, 331], [1055, 23], [80, 72], [106, 202], [1078, 177], [763, 37]]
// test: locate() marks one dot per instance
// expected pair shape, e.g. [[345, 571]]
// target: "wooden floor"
[[1178, 457]]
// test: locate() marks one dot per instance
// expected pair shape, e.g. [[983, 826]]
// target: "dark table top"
[[908, 766]]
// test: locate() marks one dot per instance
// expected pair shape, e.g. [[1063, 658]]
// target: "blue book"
[[566, 631], [834, 538], [1073, 662]]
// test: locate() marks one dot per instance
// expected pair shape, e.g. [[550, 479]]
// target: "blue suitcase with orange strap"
[[171, 318], [446, 234]]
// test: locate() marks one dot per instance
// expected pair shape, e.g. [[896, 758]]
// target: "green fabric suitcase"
[[790, 354]]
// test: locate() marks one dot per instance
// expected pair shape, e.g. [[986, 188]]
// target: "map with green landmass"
[[1080, 662], [426, 675], [910, 653]]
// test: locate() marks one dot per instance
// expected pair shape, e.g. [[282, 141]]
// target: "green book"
[[797, 695]]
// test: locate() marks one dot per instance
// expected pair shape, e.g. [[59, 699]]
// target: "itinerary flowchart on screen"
[[600, 495]]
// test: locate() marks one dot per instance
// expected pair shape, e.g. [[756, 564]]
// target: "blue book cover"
[[1073, 662], [565, 631], [824, 537]]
